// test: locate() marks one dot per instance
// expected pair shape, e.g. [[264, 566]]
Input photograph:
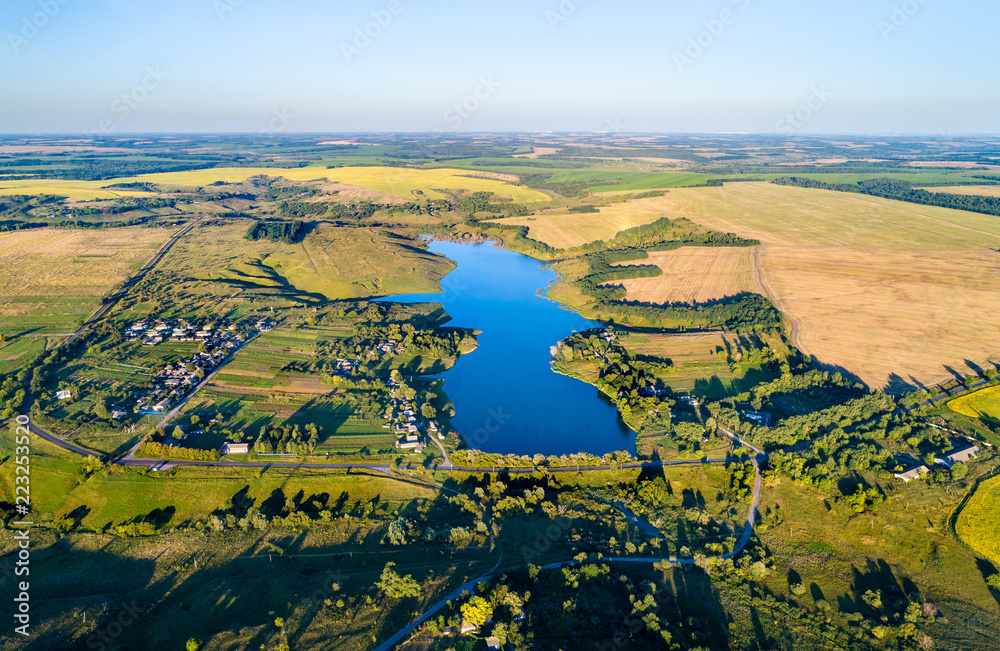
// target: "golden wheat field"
[[979, 522], [894, 293], [694, 275], [405, 183], [49, 277], [563, 230]]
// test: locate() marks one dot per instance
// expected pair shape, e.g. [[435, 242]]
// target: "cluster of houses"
[[175, 381], [408, 426], [345, 367], [916, 470], [386, 349], [213, 336]]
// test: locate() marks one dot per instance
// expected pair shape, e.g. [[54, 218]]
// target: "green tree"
[[993, 581], [177, 434], [395, 586], [193, 644], [428, 411]]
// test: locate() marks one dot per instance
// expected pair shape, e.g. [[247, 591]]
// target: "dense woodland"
[[288, 232]]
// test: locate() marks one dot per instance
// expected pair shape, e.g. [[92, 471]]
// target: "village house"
[[492, 643], [913, 473], [234, 448], [958, 456], [64, 395]]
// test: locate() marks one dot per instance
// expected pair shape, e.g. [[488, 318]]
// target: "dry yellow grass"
[[981, 190], [894, 293], [694, 275], [564, 230], [50, 277]]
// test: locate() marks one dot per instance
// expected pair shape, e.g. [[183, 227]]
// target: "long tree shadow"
[[987, 569]]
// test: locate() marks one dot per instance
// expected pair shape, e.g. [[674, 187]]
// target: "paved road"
[[454, 594]]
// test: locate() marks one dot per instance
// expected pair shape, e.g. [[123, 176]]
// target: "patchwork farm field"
[[405, 183], [563, 230], [983, 404], [51, 279], [693, 275], [378, 264], [269, 383], [891, 292], [978, 525]]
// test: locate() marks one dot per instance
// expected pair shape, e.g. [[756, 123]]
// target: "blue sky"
[[852, 66]]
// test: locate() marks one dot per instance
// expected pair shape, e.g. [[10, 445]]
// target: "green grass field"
[[983, 404], [377, 264]]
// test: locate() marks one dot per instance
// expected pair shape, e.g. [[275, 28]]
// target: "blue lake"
[[507, 398]]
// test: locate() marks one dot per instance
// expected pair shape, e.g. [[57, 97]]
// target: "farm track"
[[114, 298], [760, 278]]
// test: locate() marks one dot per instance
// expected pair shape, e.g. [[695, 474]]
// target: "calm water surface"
[[507, 398]]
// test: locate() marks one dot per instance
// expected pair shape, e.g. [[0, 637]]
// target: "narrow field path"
[[764, 288]]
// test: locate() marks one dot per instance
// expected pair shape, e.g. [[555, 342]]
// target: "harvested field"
[[888, 315], [890, 292], [694, 275], [980, 190], [789, 216], [50, 278], [563, 230]]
